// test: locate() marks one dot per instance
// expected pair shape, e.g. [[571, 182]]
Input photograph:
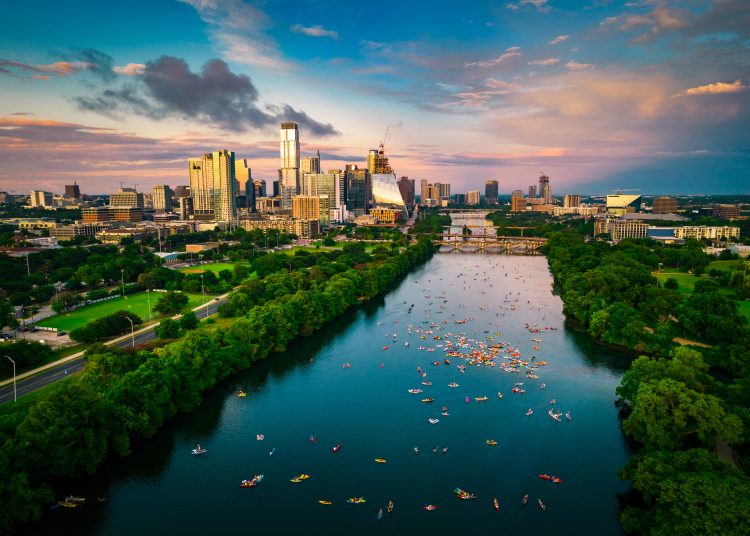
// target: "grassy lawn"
[[727, 266], [686, 281], [214, 267], [136, 303], [745, 308]]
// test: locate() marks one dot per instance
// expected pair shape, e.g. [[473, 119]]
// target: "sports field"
[[686, 281], [214, 267], [136, 303]]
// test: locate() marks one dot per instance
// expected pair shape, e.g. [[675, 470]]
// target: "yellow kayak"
[[322, 501], [379, 460]]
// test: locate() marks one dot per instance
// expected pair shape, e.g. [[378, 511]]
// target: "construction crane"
[[385, 138], [620, 190]]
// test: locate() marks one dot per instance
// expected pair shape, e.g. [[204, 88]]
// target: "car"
[[61, 333], [6, 336]]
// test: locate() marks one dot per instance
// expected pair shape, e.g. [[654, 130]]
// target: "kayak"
[[390, 507], [525, 500], [452, 384], [481, 398], [491, 442], [430, 507], [496, 504], [380, 514], [323, 501], [356, 500], [299, 478], [198, 452], [545, 477], [379, 460], [428, 400], [336, 448], [541, 504]]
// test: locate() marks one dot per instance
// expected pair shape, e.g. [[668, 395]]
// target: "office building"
[[185, 207], [620, 204], [726, 212], [518, 203], [72, 191], [213, 186], [460, 199], [619, 229], [127, 197], [310, 164], [547, 195], [386, 193], [40, 198], [201, 189], [532, 191], [543, 181], [161, 198], [64, 233], [701, 232], [358, 188], [276, 189], [407, 188], [490, 192], [331, 185], [245, 187], [571, 200], [377, 162], [260, 188], [664, 205], [289, 172], [473, 197], [516, 193], [443, 189]]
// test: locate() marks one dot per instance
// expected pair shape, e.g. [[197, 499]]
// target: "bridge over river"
[[485, 243]]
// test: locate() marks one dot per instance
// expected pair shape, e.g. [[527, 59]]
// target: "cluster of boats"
[[252, 482]]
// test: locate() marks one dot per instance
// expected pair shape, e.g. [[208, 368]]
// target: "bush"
[[171, 303], [115, 324], [671, 284]]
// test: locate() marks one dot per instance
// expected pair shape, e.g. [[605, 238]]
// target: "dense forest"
[[122, 396]]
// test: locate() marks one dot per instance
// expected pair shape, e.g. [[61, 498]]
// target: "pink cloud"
[[131, 69], [509, 53], [559, 39], [714, 89], [545, 62]]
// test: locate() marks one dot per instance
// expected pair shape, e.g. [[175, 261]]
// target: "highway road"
[[69, 368]]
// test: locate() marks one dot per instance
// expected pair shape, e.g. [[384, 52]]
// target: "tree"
[[671, 284], [171, 303], [6, 312], [168, 329], [189, 321]]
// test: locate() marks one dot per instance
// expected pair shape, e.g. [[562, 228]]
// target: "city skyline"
[[649, 95]]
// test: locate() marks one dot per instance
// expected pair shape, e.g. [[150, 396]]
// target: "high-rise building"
[[473, 197], [310, 164], [532, 191], [377, 162], [276, 188], [517, 203], [40, 198], [260, 188], [127, 197], [516, 193], [358, 188], [547, 194], [331, 184], [289, 172], [423, 193], [444, 189], [571, 200], [306, 207], [185, 207], [407, 186], [181, 191], [161, 197], [72, 191], [490, 192], [543, 181], [245, 186], [664, 205], [213, 186]]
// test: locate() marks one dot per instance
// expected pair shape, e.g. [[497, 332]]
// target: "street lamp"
[[148, 297], [122, 276], [290, 266], [132, 330], [15, 397], [203, 292]]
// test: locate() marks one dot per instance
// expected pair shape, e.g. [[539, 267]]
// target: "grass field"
[[136, 303], [686, 281], [727, 266], [745, 308], [214, 267]]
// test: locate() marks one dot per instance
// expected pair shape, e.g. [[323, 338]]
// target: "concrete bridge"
[[486, 243]]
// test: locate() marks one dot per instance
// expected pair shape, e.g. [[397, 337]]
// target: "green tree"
[[171, 303], [189, 321], [168, 329]]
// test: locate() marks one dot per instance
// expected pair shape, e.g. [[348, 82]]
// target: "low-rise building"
[[619, 229], [518, 204], [68, 232], [302, 228], [204, 246], [583, 210], [386, 216], [700, 232], [115, 236]]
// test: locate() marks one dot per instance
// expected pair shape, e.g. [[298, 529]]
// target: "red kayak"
[[545, 477], [336, 448]]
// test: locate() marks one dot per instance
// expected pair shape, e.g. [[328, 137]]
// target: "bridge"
[[486, 243]]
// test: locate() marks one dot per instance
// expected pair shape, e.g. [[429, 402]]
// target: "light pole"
[[15, 398], [132, 330], [203, 292], [122, 277], [148, 297]]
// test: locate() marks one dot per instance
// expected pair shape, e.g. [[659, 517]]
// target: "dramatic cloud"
[[97, 62], [60, 68], [240, 31], [315, 31], [168, 88], [509, 53], [545, 62], [131, 69], [559, 39], [713, 89]]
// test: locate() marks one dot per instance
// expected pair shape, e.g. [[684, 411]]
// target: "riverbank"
[[123, 396]]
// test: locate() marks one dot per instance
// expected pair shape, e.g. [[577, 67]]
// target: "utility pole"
[[15, 397], [28, 270], [122, 277], [148, 297], [132, 331]]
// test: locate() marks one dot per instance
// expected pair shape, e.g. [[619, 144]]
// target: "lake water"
[[163, 489]]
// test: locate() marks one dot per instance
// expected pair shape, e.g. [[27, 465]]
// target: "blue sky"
[[649, 94]]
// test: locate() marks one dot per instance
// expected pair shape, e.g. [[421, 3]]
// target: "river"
[[162, 489]]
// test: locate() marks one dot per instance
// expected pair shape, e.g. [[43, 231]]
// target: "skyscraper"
[[377, 162], [543, 181], [41, 198], [72, 191], [161, 197], [213, 186], [245, 187], [310, 164], [407, 187], [260, 188], [289, 172], [473, 197], [358, 188], [423, 192], [490, 192], [547, 194], [571, 200], [532, 191], [444, 189]]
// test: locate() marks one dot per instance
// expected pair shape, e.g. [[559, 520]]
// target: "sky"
[[645, 95]]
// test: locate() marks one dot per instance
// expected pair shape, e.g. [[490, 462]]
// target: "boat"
[[380, 514], [430, 507], [446, 361], [464, 495], [556, 480], [260, 437], [252, 482], [491, 442], [390, 507], [554, 415], [452, 384], [433, 421], [481, 398], [567, 415], [499, 394], [74, 499], [428, 400], [198, 451], [356, 500], [242, 394], [541, 504], [272, 451], [379, 460], [529, 412], [415, 391], [416, 450], [496, 504], [336, 448], [313, 439], [545, 477], [427, 383], [299, 478], [467, 399], [68, 504], [525, 500], [324, 501]]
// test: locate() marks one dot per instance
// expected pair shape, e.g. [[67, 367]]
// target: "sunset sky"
[[598, 94]]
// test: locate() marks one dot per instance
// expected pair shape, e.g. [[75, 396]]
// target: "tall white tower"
[[289, 172]]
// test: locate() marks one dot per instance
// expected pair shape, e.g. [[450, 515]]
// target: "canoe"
[[496, 504], [323, 501], [541, 504], [336, 448], [430, 507], [379, 460], [68, 504]]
